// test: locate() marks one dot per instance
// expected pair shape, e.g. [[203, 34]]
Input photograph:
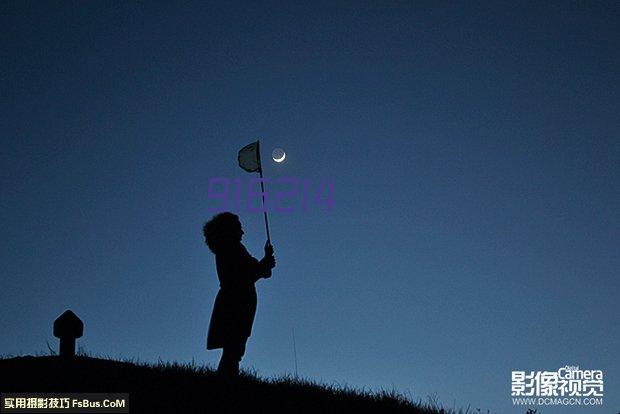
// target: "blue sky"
[[473, 149]]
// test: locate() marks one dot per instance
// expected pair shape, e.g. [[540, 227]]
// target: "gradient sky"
[[473, 146]]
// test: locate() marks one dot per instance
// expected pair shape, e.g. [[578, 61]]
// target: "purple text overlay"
[[283, 195]]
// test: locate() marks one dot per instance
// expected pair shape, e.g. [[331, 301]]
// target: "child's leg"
[[231, 356]]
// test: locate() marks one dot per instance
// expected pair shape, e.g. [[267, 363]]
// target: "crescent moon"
[[281, 158]]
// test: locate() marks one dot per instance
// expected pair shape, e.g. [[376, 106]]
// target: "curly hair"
[[217, 230]]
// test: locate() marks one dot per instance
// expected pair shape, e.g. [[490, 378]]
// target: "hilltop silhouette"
[[175, 388]]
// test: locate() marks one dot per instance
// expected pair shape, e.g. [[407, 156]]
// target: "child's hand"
[[268, 249], [269, 261]]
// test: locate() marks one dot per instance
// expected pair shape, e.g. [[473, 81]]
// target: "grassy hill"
[[177, 388]]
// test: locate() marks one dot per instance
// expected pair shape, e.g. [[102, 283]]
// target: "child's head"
[[222, 230]]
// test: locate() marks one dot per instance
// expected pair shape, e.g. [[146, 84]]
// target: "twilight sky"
[[473, 148]]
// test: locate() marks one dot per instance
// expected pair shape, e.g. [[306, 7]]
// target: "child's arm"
[[262, 268]]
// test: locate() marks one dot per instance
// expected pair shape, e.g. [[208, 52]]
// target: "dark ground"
[[174, 388]]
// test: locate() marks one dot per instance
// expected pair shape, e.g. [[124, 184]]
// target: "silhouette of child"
[[235, 303]]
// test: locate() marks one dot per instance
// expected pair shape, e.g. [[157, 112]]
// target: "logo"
[[569, 385]]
